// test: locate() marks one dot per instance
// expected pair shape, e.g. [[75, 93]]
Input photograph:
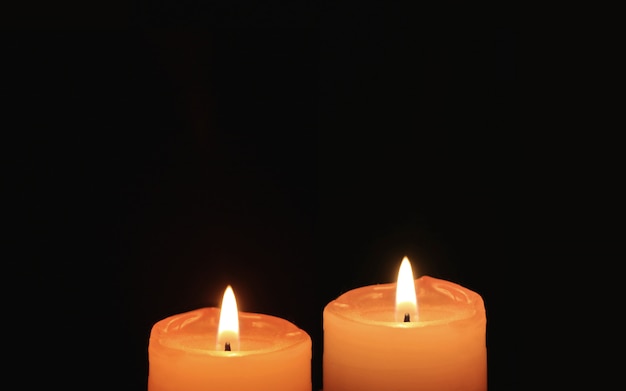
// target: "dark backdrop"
[[148, 170]]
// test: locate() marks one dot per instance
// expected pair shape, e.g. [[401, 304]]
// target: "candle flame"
[[406, 299], [228, 328]]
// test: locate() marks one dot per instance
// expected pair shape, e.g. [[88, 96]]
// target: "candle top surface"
[[438, 301], [196, 332]]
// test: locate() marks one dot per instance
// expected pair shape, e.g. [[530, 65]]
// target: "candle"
[[423, 334], [227, 350]]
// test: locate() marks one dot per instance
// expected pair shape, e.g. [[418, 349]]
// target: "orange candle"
[[226, 350], [421, 334]]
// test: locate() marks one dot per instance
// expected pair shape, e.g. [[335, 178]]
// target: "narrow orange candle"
[[427, 335], [227, 350]]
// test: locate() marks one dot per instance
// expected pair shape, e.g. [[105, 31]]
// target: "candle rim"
[[292, 337], [474, 304]]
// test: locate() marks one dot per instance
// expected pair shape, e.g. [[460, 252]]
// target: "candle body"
[[275, 355], [365, 349]]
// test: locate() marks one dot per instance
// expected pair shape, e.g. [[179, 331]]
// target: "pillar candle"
[[376, 339], [266, 353]]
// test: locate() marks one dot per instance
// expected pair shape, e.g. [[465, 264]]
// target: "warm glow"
[[406, 300], [228, 328]]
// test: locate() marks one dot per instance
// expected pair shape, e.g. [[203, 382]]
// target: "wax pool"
[[366, 349], [274, 354]]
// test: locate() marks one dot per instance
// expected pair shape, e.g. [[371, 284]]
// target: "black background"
[[150, 169]]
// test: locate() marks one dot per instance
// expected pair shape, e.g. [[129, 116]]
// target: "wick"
[[227, 347], [407, 317]]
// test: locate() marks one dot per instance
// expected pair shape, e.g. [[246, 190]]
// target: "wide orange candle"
[[376, 339], [267, 353]]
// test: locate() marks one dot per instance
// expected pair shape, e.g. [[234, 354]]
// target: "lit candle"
[[425, 334], [226, 350]]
